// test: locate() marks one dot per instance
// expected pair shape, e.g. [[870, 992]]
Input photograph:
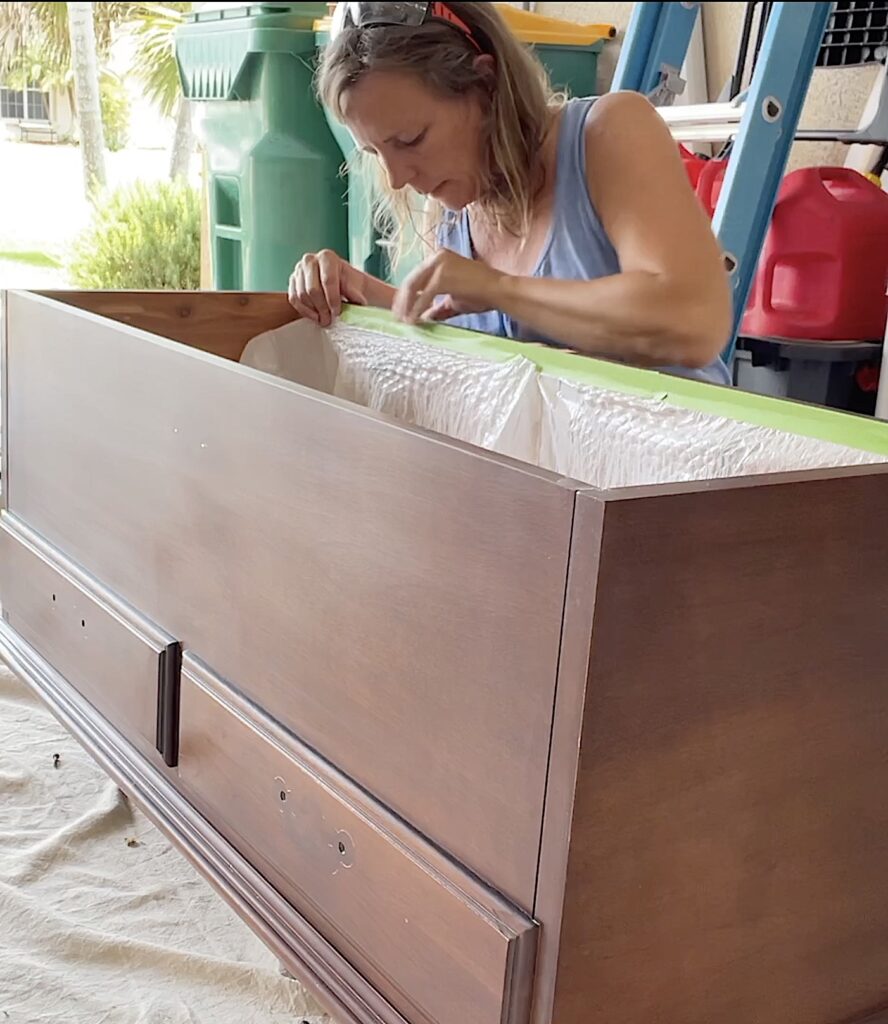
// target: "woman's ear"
[[485, 65]]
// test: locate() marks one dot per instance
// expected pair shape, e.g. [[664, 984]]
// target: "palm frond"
[[154, 26], [36, 34], [17, 35], [35, 46]]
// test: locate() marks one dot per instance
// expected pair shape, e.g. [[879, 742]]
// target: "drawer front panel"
[[124, 666], [394, 598], [434, 942]]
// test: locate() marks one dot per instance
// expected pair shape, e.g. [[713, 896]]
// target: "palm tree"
[[154, 27], [85, 65], [62, 45], [35, 41], [41, 28]]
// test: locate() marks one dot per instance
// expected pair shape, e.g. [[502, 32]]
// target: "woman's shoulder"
[[624, 122], [623, 133], [616, 107]]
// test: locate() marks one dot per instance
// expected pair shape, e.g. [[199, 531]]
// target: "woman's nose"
[[398, 172]]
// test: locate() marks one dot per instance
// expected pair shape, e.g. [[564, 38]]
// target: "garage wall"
[[836, 99]]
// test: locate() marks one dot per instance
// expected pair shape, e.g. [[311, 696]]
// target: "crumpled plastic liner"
[[611, 439], [492, 405], [594, 435]]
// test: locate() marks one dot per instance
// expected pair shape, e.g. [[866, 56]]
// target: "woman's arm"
[[377, 292], [671, 303]]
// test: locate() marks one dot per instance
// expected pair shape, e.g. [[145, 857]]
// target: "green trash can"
[[364, 251], [568, 51], [275, 191], [572, 69]]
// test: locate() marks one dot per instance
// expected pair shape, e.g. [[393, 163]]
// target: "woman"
[[571, 223]]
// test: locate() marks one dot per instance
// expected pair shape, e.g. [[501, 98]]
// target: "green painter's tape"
[[853, 431]]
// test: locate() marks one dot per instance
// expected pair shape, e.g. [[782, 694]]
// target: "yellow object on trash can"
[[537, 28], [569, 52]]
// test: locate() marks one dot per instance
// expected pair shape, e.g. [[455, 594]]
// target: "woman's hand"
[[320, 283], [460, 285]]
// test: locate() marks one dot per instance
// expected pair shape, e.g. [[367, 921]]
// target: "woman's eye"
[[415, 141]]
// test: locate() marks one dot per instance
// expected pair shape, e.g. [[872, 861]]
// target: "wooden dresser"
[[463, 741]]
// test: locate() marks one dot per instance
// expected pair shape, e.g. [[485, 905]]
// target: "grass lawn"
[[29, 258]]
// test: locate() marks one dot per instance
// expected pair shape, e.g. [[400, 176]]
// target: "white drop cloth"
[[102, 921]]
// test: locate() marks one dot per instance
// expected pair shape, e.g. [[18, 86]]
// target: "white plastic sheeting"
[[601, 437], [493, 405], [610, 439]]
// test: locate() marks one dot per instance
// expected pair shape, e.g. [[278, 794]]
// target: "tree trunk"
[[183, 142], [85, 67]]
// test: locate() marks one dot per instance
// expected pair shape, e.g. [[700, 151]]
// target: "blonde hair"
[[520, 102]]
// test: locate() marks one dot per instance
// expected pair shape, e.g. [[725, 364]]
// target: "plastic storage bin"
[[569, 52], [833, 374], [274, 185]]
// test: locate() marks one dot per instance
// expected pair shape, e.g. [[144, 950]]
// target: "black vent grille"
[[857, 34]]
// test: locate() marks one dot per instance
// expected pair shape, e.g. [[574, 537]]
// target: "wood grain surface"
[[393, 598], [729, 847]]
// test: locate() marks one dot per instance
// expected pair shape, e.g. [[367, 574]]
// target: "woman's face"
[[429, 142]]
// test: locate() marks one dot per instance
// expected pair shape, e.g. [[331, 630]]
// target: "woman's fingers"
[[314, 290], [423, 302], [442, 310], [330, 273], [296, 293], [320, 283], [417, 293]]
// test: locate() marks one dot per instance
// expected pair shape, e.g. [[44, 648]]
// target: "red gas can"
[[823, 270], [709, 184], [693, 164], [705, 176]]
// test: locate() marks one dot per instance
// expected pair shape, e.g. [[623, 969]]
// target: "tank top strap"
[[570, 175]]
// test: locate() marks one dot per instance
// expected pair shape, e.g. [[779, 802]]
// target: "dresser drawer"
[[126, 667], [437, 944]]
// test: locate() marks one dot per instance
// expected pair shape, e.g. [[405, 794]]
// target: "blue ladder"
[[656, 44]]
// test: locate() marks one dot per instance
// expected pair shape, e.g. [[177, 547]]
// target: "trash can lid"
[[538, 28], [219, 10]]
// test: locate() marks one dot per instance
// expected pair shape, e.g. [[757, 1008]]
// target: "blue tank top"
[[577, 247]]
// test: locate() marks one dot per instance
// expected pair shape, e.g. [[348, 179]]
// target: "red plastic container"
[[705, 176], [693, 164], [823, 271]]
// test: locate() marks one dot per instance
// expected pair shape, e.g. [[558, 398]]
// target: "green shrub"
[[142, 237], [115, 112]]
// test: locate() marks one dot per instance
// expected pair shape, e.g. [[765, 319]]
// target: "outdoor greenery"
[[35, 50], [115, 112], [141, 237], [30, 258], [154, 27]]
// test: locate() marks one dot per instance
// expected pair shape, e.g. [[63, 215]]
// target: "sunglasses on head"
[[405, 15]]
